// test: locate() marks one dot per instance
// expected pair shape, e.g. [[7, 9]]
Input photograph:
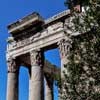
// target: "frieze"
[[55, 27], [37, 35], [46, 32]]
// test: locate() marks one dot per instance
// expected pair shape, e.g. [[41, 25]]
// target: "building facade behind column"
[[30, 37]]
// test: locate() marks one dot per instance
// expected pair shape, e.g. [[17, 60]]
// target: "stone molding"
[[27, 21], [35, 56], [13, 65], [57, 16]]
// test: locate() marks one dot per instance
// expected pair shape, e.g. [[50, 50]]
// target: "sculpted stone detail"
[[64, 47], [12, 65], [55, 27], [49, 88], [37, 35], [35, 56], [26, 40], [69, 27]]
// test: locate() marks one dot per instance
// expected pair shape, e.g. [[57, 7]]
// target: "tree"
[[83, 80]]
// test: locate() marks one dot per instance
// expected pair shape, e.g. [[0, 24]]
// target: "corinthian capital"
[[64, 46], [35, 56], [13, 65]]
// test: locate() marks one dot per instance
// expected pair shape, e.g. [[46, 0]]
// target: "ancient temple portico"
[[29, 38]]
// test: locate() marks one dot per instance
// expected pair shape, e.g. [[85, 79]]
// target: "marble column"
[[64, 49], [12, 83], [49, 88], [36, 83]]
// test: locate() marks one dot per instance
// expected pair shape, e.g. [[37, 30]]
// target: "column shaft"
[[36, 88], [12, 83], [64, 48], [49, 89], [12, 86]]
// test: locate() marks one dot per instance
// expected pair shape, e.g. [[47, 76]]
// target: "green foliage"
[[71, 3], [83, 79]]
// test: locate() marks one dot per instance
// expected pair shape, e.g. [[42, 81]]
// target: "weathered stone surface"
[[36, 83], [12, 86], [12, 83], [64, 48], [13, 65], [25, 22], [30, 35], [49, 88]]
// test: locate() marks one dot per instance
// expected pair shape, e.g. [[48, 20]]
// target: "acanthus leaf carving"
[[64, 46], [13, 65], [35, 56]]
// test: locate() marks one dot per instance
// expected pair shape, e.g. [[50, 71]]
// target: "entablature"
[[49, 36], [32, 37]]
